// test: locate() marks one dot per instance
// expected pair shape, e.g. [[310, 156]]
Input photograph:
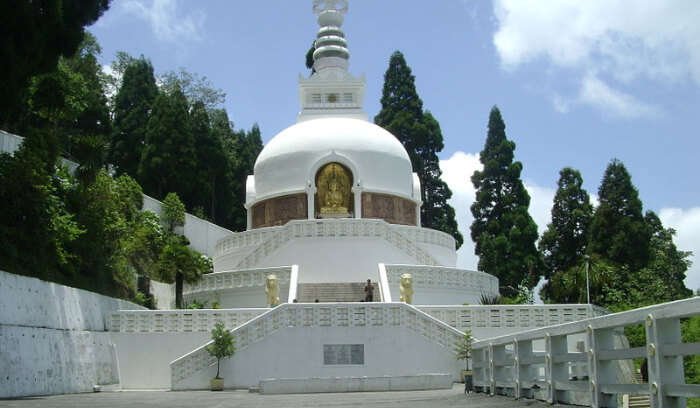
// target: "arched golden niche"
[[334, 197]]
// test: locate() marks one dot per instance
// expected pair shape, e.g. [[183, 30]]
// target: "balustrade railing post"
[[492, 381], [498, 371], [523, 370], [662, 369], [555, 371], [600, 371]]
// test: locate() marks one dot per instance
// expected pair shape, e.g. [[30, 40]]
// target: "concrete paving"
[[240, 398]]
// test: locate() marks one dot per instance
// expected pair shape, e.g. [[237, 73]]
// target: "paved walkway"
[[207, 399]]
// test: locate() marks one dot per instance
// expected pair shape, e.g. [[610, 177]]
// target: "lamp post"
[[588, 285]]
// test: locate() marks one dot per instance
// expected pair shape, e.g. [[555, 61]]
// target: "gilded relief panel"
[[392, 209], [280, 210]]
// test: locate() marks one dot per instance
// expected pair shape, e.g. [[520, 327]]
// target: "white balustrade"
[[179, 321], [508, 365], [243, 278], [511, 316], [269, 240], [445, 278], [307, 315]]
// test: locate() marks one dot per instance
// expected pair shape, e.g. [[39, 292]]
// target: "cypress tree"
[[211, 160], [132, 109], [565, 240], [419, 132], [503, 231], [168, 163], [618, 230]]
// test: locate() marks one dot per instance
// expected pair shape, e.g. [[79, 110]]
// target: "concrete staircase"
[[635, 400], [334, 292]]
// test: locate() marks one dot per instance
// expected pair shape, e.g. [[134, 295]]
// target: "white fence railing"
[[179, 321], [245, 278], [307, 315], [508, 365], [511, 316], [267, 240], [425, 276], [257, 236]]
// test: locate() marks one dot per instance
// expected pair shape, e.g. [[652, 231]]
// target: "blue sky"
[[578, 82]]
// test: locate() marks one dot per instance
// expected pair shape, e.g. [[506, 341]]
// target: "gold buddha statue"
[[334, 183]]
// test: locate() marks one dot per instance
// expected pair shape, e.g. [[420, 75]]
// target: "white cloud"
[[686, 222], [167, 23], [647, 39], [598, 94]]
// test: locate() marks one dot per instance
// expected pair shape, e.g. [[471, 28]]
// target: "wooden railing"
[[509, 365]]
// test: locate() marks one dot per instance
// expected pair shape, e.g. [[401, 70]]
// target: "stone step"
[[334, 292]]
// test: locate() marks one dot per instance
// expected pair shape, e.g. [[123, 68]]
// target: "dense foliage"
[[503, 231], [629, 260], [83, 226], [33, 36], [402, 114]]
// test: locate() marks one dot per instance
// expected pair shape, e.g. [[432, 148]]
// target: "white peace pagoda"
[[333, 201], [335, 195]]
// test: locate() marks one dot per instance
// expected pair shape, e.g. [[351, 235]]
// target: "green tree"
[[108, 211], [242, 149], [310, 57], [173, 213], [223, 344], [565, 240], [436, 213], [402, 115], [177, 262], [463, 349], [169, 159], [196, 88], [33, 36], [503, 231], [618, 230], [212, 164], [132, 110], [37, 230]]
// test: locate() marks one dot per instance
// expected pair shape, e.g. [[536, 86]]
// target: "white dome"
[[377, 159]]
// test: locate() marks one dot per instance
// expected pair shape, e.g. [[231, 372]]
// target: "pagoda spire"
[[331, 91], [331, 46]]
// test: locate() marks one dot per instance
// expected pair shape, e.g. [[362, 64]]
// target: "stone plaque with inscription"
[[343, 354]]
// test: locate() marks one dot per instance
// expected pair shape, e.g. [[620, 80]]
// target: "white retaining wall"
[[298, 352], [53, 338]]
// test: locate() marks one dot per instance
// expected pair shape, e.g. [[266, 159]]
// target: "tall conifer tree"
[[168, 163], [565, 240], [419, 132], [503, 231], [211, 160], [132, 109], [618, 230]]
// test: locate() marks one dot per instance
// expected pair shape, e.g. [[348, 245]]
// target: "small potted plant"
[[223, 346], [464, 352]]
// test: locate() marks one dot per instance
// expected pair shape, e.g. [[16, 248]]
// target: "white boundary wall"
[[53, 338], [288, 342]]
